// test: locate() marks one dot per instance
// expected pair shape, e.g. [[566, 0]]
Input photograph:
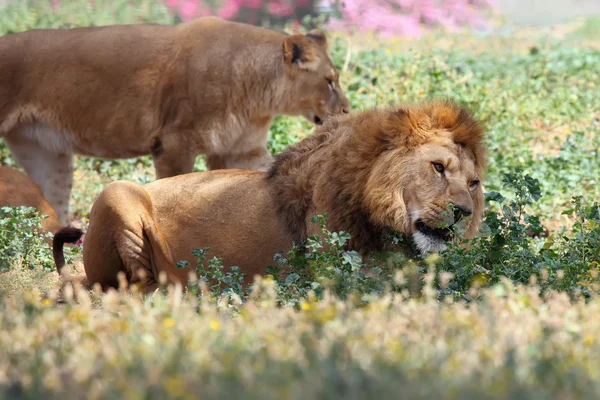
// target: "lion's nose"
[[460, 212], [345, 110]]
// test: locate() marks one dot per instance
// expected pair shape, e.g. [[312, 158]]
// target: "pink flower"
[[204, 11], [280, 9], [229, 10], [252, 4], [172, 3], [189, 10], [405, 17]]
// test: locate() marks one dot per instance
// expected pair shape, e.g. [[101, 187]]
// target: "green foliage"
[[221, 284], [22, 15], [22, 239], [323, 263], [508, 247]]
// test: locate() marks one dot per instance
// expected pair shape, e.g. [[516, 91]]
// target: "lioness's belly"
[[230, 211]]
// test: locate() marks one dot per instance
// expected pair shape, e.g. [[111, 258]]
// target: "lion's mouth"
[[444, 234]]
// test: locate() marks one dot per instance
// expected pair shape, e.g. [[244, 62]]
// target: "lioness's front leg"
[[248, 152], [172, 156], [50, 169]]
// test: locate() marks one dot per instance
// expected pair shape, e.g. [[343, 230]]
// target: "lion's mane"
[[333, 168]]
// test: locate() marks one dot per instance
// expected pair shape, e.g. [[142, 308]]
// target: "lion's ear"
[[395, 128], [317, 36], [402, 127], [298, 51]]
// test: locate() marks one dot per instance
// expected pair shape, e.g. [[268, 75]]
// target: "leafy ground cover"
[[340, 331]]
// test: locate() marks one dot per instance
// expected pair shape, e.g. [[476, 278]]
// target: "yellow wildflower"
[[214, 325], [589, 340], [169, 322]]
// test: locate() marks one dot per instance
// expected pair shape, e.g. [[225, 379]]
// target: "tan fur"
[[17, 189], [203, 87], [371, 171]]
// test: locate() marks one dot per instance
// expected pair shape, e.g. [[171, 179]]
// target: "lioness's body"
[[17, 189], [370, 171], [204, 87]]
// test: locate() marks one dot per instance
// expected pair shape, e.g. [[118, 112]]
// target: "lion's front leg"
[[49, 164]]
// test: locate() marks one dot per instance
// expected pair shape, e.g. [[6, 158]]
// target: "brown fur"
[[207, 86], [371, 171], [17, 189]]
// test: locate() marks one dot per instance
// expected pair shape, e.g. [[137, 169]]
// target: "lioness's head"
[[426, 181], [314, 90]]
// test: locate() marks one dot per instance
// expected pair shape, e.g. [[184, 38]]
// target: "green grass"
[[369, 335]]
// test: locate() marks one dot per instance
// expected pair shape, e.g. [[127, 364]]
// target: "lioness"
[[203, 87], [17, 189], [371, 171]]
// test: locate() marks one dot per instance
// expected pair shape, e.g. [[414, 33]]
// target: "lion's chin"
[[430, 240], [428, 244]]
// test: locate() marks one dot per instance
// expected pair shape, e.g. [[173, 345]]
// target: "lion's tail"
[[67, 234]]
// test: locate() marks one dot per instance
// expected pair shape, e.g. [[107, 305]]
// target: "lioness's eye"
[[330, 83], [439, 167], [474, 183]]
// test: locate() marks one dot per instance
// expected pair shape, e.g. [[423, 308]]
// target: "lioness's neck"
[[239, 67], [260, 82]]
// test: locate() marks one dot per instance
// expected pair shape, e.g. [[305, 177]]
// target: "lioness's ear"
[[317, 36], [299, 51]]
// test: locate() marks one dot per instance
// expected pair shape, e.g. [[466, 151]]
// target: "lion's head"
[[414, 169], [426, 183], [313, 79]]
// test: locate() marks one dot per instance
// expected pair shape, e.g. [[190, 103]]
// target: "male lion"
[[17, 189], [371, 171], [203, 87]]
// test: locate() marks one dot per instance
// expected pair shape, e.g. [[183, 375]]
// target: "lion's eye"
[[474, 183], [330, 83], [439, 167]]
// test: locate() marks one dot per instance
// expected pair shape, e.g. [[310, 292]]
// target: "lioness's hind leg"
[[50, 169]]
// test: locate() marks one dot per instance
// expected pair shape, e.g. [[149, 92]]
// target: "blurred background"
[[408, 18]]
